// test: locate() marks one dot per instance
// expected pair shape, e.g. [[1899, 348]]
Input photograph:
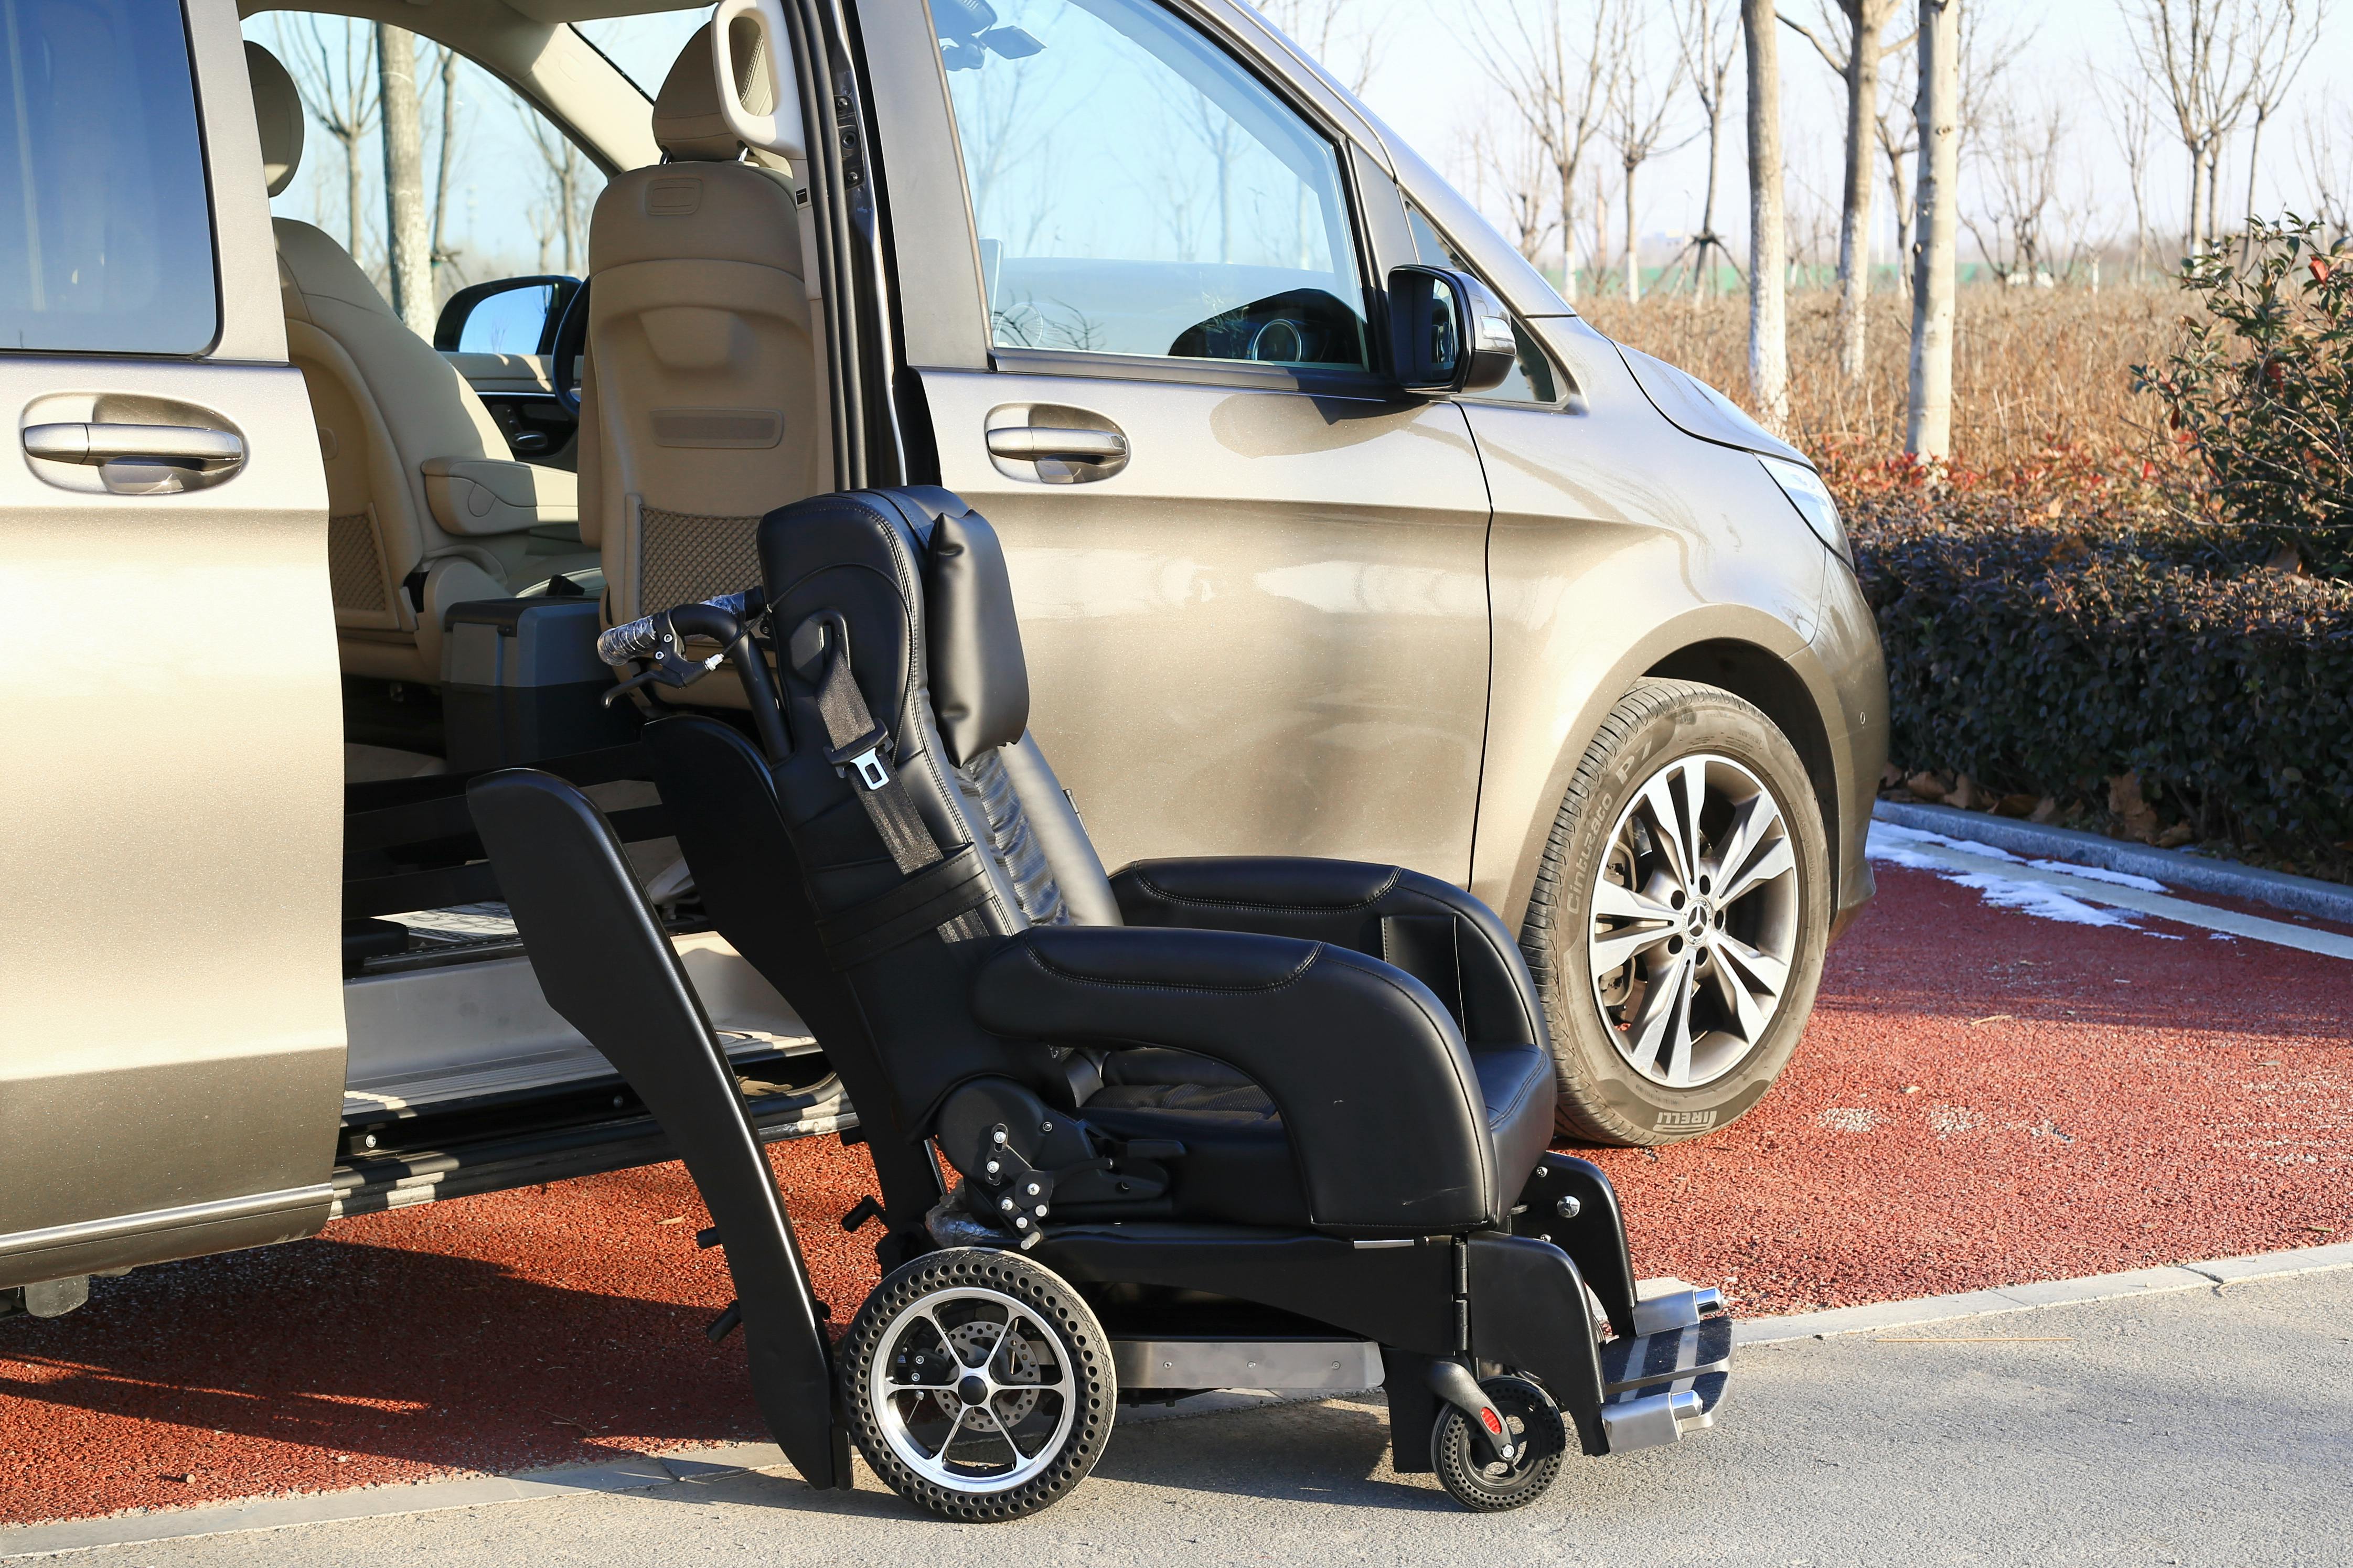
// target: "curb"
[[2207, 1276], [2175, 869], [644, 1472]]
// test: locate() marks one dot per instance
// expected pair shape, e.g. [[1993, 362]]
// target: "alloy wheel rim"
[[1693, 929], [972, 1389]]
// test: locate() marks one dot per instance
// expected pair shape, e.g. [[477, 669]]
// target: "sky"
[[1426, 83]]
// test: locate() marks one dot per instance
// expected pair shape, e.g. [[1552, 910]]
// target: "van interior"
[[566, 454]]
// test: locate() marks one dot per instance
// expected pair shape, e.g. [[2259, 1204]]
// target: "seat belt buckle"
[[864, 757]]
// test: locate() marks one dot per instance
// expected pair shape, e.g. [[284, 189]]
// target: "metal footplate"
[[1668, 1380]]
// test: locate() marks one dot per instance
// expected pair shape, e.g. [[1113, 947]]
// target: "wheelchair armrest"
[[1377, 1094], [1433, 930]]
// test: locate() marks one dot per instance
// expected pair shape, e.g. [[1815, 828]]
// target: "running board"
[[1665, 1383], [1671, 1356]]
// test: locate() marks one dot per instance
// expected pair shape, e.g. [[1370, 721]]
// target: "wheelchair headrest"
[[834, 554], [980, 681]]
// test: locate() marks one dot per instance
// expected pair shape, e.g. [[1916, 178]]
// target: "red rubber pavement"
[[1984, 1098]]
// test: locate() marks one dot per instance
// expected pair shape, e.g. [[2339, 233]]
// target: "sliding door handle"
[[1031, 444], [178, 444]]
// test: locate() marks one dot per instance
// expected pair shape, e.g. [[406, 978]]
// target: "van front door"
[[171, 1008], [1251, 579]]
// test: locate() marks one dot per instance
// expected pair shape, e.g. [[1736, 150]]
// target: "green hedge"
[[2043, 658]]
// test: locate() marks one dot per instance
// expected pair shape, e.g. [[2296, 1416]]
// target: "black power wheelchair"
[[1211, 1123]]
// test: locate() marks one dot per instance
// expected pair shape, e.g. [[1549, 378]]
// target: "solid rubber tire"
[[1085, 1346], [1602, 1097], [1541, 1427]]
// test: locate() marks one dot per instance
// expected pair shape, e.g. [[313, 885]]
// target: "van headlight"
[[1812, 499]]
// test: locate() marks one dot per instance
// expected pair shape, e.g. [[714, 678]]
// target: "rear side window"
[[1138, 193], [105, 242]]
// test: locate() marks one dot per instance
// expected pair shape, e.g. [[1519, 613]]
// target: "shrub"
[[2043, 657], [2260, 389]]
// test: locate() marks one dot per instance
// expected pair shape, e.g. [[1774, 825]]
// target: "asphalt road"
[[2202, 1427]]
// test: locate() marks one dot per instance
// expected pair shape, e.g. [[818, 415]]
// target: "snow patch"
[[1893, 844], [1849, 1118]]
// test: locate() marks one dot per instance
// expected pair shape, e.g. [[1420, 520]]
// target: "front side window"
[[1138, 193], [106, 239]]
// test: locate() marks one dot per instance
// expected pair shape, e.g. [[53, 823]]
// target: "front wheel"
[[1680, 916]]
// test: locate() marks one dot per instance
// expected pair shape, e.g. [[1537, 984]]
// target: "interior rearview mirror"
[[1448, 333]]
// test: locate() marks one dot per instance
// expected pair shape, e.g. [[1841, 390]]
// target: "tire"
[[1029, 1422], [1537, 1431], [1633, 1068]]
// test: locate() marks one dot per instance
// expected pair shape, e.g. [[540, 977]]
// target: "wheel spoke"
[[1002, 1432], [1752, 821], [1614, 950], [1770, 974], [1004, 1333], [1611, 901], [1776, 860], [1667, 818], [1732, 988], [1662, 1004]]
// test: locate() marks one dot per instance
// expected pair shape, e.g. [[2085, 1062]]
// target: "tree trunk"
[[2197, 195], [448, 149], [1568, 172], [408, 234], [1633, 245], [1769, 241], [1707, 204], [1854, 212], [2255, 152], [1928, 429], [351, 196]]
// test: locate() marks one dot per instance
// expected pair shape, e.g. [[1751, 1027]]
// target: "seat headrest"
[[979, 678], [277, 114], [687, 120]]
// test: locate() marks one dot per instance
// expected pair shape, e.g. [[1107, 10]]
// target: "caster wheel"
[[978, 1385], [1469, 1470]]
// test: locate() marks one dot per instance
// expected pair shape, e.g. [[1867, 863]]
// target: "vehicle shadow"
[[262, 1367]]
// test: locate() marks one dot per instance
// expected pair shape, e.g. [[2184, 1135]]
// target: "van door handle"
[[176, 444], [1031, 444]]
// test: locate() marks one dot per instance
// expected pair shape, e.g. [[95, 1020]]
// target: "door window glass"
[[1138, 193], [1531, 380], [105, 242]]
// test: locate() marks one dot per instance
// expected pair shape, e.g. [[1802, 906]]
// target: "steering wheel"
[[563, 356]]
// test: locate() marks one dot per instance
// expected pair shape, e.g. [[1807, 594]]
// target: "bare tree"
[[2324, 154], [1709, 42], [1928, 424], [1855, 53], [1769, 240], [1560, 91], [1327, 27], [2201, 54], [1639, 110], [2296, 34], [445, 75], [2022, 154], [560, 217], [1897, 128], [407, 229], [328, 58], [1515, 162], [2132, 119]]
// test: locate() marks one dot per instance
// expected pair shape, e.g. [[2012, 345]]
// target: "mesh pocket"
[[355, 563], [683, 558]]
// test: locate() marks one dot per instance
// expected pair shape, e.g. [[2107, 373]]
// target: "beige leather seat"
[[703, 390], [418, 477]]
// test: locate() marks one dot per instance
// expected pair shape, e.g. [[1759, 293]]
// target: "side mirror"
[[506, 316], [1449, 332], [759, 96]]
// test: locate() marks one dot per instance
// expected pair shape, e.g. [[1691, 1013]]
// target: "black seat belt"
[[942, 892]]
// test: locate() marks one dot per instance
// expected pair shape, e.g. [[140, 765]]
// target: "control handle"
[[1031, 444], [181, 445]]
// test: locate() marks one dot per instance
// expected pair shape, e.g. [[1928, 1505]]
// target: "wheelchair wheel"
[[1483, 1484], [978, 1385]]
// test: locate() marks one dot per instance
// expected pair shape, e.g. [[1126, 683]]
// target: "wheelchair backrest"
[[927, 823]]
